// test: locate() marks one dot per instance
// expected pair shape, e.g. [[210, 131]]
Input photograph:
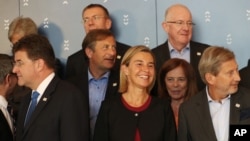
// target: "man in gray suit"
[[208, 115]]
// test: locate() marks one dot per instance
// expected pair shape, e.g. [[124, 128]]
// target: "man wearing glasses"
[[97, 80], [178, 25], [94, 16]]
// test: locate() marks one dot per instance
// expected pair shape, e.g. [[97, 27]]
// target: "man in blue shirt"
[[98, 80]]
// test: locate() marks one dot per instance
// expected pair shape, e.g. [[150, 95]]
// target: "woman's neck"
[[135, 98]]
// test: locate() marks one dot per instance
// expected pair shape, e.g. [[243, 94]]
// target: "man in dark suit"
[[18, 28], [7, 83], [208, 115], [245, 76], [178, 25], [99, 80], [56, 110], [95, 16]]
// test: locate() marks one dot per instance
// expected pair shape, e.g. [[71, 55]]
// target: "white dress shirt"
[[3, 107]]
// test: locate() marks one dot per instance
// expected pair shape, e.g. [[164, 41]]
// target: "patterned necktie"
[[32, 107]]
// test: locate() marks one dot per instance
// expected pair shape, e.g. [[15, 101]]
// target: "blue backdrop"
[[224, 22]]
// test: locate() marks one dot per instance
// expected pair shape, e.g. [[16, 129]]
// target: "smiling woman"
[[134, 107]]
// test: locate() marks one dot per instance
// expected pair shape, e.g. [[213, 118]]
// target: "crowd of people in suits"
[[180, 90]]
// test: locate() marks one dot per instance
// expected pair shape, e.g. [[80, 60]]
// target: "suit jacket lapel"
[[205, 117], [113, 84], [4, 123], [195, 55], [235, 106], [165, 50], [22, 115], [42, 102], [84, 84]]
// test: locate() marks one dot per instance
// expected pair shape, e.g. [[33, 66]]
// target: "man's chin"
[[234, 90], [20, 83]]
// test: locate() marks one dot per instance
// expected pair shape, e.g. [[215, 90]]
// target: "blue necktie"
[[32, 107]]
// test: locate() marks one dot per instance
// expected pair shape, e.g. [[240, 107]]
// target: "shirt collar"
[[3, 101], [171, 48], [90, 76], [42, 86], [211, 100]]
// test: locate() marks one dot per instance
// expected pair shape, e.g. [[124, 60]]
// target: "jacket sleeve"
[[74, 120]]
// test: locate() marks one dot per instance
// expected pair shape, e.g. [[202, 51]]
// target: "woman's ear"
[[124, 68]]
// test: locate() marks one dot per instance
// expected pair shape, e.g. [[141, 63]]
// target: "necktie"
[[11, 113], [32, 107]]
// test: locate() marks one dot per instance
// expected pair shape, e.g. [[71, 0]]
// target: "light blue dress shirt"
[[184, 54], [220, 112], [97, 91]]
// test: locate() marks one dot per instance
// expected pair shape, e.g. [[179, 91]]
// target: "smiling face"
[[102, 56], [140, 71], [179, 35], [176, 83]]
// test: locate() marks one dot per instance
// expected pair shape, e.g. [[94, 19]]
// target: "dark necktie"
[[11, 112], [32, 107]]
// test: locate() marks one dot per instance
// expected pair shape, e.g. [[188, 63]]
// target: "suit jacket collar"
[[193, 52], [235, 107], [4, 124], [111, 88], [203, 111]]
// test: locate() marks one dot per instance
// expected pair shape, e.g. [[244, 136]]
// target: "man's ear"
[[39, 64], [210, 78], [7, 79], [88, 52], [108, 23], [10, 79], [165, 26]]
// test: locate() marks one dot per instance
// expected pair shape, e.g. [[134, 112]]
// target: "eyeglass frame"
[[181, 23], [20, 63], [95, 18]]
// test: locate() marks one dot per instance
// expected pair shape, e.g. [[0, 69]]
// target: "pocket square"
[[245, 113]]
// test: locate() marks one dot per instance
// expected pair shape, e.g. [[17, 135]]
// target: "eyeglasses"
[[93, 18], [181, 23]]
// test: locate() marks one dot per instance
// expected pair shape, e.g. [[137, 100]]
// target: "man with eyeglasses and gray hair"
[[178, 25]]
